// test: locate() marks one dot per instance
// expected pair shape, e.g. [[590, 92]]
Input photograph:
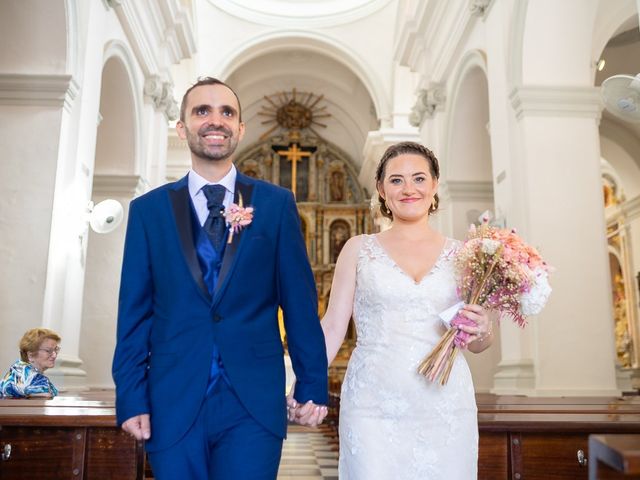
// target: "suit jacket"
[[167, 320]]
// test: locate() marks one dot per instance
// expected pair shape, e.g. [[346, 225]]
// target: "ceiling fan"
[[621, 95]]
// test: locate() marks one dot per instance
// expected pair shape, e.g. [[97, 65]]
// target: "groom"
[[198, 366]]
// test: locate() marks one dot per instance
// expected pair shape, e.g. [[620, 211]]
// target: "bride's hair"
[[401, 149]]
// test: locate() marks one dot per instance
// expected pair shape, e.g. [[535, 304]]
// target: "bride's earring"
[[385, 209]]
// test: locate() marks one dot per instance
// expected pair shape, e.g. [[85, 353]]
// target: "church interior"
[[531, 106]]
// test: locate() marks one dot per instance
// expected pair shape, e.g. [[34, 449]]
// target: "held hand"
[[480, 317], [292, 405], [138, 427], [309, 414]]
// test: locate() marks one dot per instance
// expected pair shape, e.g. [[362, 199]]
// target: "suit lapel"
[[181, 203], [244, 187]]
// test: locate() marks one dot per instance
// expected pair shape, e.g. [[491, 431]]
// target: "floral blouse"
[[23, 380]]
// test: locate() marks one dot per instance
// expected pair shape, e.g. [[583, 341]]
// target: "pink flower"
[[237, 218]]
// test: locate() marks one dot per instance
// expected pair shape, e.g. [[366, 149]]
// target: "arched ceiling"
[[345, 96], [300, 12]]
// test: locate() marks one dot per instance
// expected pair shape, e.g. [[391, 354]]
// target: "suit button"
[[217, 318]]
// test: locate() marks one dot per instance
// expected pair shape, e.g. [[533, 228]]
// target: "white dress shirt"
[[196, 182]]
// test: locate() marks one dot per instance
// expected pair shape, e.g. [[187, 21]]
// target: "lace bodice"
[[392, 419]]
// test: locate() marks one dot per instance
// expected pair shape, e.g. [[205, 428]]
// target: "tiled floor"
[[309, 454]]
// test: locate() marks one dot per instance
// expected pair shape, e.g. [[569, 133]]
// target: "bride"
[[394, 423]]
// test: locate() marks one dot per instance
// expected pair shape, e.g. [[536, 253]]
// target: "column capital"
[[480, 8], [428, 101], [159, 93], [556, 101]]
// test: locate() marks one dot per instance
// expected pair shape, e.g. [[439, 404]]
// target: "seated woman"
[[25, 378]]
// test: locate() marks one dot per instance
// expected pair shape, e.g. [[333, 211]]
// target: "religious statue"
[[336, 186], [339, 234]]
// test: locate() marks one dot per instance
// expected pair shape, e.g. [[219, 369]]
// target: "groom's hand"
[[138, 427], [309, 414]]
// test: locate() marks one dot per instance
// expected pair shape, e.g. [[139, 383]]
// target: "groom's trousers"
[[224, 443]]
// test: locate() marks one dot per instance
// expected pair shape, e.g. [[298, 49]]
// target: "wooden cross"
[[294, 156]]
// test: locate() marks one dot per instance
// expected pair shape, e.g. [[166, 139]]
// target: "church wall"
[[50, 85], [542, 128], [33, 89], [33, 36], [27, 175]]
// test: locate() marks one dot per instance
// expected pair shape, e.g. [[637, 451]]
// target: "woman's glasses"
[[50, 351]]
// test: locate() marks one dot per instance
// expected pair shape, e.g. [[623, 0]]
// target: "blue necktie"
[[215, 224]]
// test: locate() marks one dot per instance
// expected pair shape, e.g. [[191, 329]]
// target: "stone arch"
[[469, 119], [611, 16], [120, 115], [313, 42], [116, 171]]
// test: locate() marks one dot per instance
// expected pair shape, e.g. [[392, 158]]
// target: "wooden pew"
[[547, 438], [66, 438], [614, 456], [520, 437]]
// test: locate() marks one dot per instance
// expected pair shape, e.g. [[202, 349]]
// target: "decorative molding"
[[160, 33], [428, 101], [443, 27], [629, 210], [38, 90], [159, 93], [480, 8], [116, 185], [308, 14], [556, 101], [113, 3], [467, 190]]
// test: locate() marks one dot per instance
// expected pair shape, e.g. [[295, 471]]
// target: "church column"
[[103, 264], [62, 310], [558, 177], [35, 115]]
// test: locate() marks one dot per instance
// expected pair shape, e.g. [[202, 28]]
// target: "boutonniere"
[[237, 217]]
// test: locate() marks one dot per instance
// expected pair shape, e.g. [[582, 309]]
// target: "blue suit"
[[168, 320]]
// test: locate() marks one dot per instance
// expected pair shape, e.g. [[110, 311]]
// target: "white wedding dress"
[[394, 423]]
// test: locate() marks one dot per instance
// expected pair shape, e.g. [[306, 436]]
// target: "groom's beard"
[[199, 147]]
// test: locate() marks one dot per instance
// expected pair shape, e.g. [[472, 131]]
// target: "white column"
[[62, 309], [34, 116], [571, 343]]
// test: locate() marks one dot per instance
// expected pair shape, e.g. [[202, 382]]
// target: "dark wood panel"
[[493, 460], [547, 457], [51, 453], [113, 455]]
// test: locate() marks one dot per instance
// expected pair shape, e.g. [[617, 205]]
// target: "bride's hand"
[[480, 317], [292, 405]]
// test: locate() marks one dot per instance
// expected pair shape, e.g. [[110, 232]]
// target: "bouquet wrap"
[[497, 270]]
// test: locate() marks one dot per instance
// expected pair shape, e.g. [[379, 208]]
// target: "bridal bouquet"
[[497, 270]]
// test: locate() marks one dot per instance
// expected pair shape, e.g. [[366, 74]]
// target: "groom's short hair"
[[206, 81]]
